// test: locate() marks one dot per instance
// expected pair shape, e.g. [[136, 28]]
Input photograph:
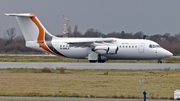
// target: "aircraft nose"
[[168, 53]]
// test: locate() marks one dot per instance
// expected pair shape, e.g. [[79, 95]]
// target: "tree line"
[[11, 43]]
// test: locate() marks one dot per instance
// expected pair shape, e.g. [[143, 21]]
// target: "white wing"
[[89, 40]]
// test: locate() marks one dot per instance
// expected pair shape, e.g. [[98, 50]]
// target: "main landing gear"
[[92, 61], [99, 61], [159, 61]]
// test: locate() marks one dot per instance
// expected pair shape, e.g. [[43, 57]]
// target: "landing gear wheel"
[[101, 61], [92, 61], [159, 61]]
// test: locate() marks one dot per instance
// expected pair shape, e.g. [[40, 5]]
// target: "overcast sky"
[[149, 16]]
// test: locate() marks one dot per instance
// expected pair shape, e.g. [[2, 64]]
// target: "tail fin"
[[31, 27], [35, 34]]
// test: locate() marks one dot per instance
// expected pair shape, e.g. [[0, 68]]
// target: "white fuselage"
[[138, 49]]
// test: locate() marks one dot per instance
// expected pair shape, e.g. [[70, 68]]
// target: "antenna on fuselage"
[[65, 26]]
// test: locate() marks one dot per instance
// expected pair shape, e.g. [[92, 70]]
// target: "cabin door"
[[141, 48]]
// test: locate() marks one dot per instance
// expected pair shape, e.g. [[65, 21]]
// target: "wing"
[[89, 40]]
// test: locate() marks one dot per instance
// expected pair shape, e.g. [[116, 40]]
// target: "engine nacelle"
[[112, 49], [100, 49], [105, 49]]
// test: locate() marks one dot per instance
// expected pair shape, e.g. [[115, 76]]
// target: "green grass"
[[63, 59], [159, 84], [38, 59]]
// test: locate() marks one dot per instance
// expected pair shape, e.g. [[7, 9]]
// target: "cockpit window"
[[154, 46], [150, 46], [158, 46]]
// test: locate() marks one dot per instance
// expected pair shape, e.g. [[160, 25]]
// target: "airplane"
[[94, 49]]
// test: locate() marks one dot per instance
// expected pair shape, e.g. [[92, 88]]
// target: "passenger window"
[[60, 46]]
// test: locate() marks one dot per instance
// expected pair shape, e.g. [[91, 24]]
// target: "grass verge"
[[159, 84]]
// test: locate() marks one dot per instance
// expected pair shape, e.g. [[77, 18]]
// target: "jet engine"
[[105, 49], [112, 49]]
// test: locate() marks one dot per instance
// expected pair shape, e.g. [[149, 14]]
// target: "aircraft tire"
[[92, 61], [101, 61]]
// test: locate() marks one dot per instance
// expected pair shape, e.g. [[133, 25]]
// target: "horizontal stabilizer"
[[23, 14]]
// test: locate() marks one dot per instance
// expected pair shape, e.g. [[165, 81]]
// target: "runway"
[[72, 99], [133, 66]]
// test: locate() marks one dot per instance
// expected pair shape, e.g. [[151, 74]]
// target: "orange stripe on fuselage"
[[40, 38], [42, 45]]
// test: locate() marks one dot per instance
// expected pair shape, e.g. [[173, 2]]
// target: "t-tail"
[[34, 32]]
